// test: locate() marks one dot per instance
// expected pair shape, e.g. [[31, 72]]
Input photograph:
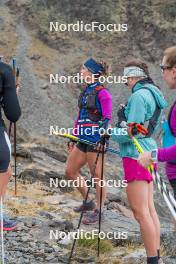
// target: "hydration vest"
[[152, 123], [169, 138], [154, 119], [90, 105]]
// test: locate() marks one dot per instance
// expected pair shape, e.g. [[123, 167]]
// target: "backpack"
[[93, 113], [152, 123]]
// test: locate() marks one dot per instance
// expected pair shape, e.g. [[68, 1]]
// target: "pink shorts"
[[135, 172]]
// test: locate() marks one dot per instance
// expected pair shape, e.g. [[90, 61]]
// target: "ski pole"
[[2, 233], [15, 135], [156, 177], [164, 188], [82, 212], [1, 217], [85, 142], [16, 73], [101, 192]]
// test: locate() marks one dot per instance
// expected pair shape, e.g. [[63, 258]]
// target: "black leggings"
[[173, 184], [5, 150]]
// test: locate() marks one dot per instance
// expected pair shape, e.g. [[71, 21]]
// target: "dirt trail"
[[41, 107]]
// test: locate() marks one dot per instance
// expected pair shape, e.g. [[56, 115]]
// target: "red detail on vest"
[[100, 87], [95, 112], [87, 125]]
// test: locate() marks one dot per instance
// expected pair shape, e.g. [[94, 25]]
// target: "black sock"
[[158, 251], [152, 260]]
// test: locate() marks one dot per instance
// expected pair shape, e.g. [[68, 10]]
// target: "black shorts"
[[86, 148], [5, 150], [173, 184]]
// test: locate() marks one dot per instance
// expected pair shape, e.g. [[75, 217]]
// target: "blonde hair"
[[170, 54]]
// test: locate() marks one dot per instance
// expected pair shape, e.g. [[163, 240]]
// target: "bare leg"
[[4, 176], [76, 160], [91, 158], [138, 196], [153, 214]]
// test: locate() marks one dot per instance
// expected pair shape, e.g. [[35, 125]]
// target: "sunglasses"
[[165, 67]]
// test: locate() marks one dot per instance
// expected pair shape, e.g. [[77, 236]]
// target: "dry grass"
[[28, 199]]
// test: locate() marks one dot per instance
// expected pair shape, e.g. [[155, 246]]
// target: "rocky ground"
[[41, 209], [38, 207]]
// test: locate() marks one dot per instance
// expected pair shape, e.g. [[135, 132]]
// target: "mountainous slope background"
[[24, 27], [25, 33]]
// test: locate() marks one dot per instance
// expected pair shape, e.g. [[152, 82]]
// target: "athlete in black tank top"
[[11, 108]]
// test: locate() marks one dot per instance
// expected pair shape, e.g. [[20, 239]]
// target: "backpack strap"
[[154, 119]]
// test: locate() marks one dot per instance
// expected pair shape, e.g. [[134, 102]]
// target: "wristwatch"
[[154, 155]]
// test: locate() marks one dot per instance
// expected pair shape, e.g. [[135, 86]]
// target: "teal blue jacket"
[[140, 108]]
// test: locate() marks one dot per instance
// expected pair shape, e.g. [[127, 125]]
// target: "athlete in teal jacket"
[[144, 105], [139, 109]]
